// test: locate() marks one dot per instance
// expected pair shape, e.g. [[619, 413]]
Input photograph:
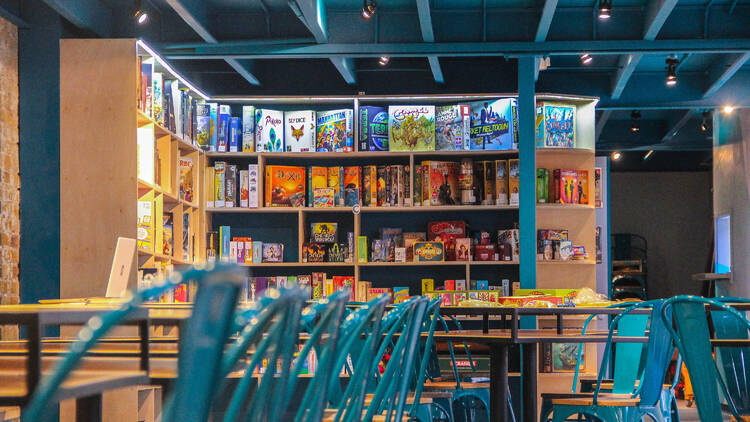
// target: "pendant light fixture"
[[635, 121], [139, 14], [368, 8], [586, 58], [605, 9], [672, 63]]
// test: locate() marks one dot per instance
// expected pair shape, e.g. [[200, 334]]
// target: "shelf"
[[358, 154], [558, 207], [571, 262], [159, 130], [299, 264], [567, 151], [170, 198], [435, 263], [365, 209]]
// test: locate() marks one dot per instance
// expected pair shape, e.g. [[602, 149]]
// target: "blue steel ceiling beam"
[[542, 29], [195, 14], [312, 13], [657, 13], [723, 70], [90, 15], [12, 17], [428, 35], [675, 129], [250, 50], [601, 122]]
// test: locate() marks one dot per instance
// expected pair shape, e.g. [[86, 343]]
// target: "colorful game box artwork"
[[352, 185], [269, 130], [452, 127], [323, 232], [568, 187], [582, 189], [373, 128], [299, 131], [555, 125], [493, 125], [598, 187], [273, 252], [203, 122], [323, 197], [514, 181], [335, 131], [285, 186], [411, 128], [248, 128], [443, 183], [429, 251]]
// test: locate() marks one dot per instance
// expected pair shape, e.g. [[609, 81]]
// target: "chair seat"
[[586, 399], [451, 385]]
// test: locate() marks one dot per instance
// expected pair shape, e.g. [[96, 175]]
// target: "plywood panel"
[[97, 159]]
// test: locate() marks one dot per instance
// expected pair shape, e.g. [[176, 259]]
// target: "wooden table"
[[17, 386]]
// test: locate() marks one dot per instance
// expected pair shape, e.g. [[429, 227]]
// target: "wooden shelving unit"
[[100, 184]]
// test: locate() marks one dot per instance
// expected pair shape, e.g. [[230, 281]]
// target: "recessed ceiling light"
[[616, 155], [368, 8], [648, 155], [635, 121], [586, 58], [383, 60], [728, 109], [672, 63], [704, 121]]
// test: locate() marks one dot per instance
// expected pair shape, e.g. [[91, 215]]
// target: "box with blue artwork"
[[411, 128], [373, 128], [269, 130], [493, 125], [555, 125], [335, 131], [452, 127]]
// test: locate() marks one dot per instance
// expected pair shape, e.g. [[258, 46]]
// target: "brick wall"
[[9, 177]]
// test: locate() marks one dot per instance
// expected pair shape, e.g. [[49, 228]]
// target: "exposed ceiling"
[[319, 47]]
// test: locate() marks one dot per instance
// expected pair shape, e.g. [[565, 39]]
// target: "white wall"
[[672, 210], [731, 179]]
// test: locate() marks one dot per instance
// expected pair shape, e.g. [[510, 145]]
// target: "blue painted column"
[[527, 157]]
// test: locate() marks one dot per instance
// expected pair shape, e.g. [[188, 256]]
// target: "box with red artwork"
[[484, 252], [440, 183], [463, 249], [345, 283], [285, 186], [448, 232]]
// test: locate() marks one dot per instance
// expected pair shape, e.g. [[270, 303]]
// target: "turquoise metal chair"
[[692, 335], [208, 329], [272, 329], [734, 362], [639, 401]]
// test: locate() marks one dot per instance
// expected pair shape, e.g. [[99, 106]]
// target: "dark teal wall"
[[39, 127]]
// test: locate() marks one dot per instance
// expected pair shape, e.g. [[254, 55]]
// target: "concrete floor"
[[689, 414]]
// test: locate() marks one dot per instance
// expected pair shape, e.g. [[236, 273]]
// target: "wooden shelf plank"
[[300, 264], [558, 207], [571, 262], [366, 209], [359, 154], [566, 151]]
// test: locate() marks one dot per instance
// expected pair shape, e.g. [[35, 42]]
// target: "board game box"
[[442, 183], [223, 128], [269, 130], [566, 186], [429, 251], [598, 187], [252, 186], [452, 127], [411, 128], [248, 128], [555, 125], [317, 178], [447, 232], [335, 131], [370, 186], [493, 125], [501, 182], [514, 181], [583, 187], [299, 131], [336, 182], [203, 129], [284, 186], [373, 128], [273, 252], [323, 232], [352, 185]]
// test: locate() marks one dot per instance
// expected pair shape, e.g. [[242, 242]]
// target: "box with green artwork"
[[411, 128]]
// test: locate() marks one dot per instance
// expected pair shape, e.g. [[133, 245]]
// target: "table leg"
[[144, 340], [89, 409], [529, 375], [498, 382], [34, 362]]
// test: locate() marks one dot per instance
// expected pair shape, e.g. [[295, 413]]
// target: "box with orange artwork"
[[527, 301], [352, 186], [285, 186], [583, 187], [344, 283], [440, 183], [566, 186]]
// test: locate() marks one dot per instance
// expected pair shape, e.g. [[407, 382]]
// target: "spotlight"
[[728, 109], [635, 121], [140, 15], [704, 121], [672, 63], [648, 155], [383, 60], [605, 9], [616, 155], [368, 8], [586, 58]]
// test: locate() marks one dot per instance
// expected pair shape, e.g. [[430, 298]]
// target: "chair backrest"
[[391, 393], [216, 298], [658, 352], [692, 335], [734, 362], [272, 328]]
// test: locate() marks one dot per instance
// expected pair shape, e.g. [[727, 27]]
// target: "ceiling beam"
[[428, 35], [545, 21], [12, 17], [601, 122], [656, 14], [723, 70], [312, 13], [675, 129], [250, 50], [90, 15], [195, 14]]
